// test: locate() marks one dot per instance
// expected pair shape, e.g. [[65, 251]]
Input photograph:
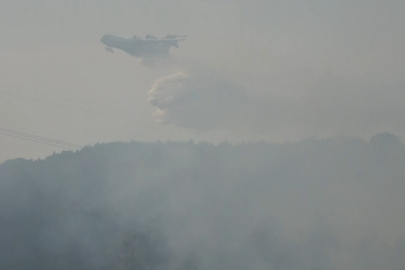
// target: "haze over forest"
[[270, 139], [330, 204]]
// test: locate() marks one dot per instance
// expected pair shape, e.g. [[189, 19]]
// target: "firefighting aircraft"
[[150, 46]]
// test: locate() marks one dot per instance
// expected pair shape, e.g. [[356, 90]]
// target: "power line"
[[76, 108], [49, 141], [39, 139]]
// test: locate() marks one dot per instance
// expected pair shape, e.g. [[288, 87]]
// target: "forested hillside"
[[329, 204]]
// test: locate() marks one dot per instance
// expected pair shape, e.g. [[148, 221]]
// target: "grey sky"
[[330, 67]]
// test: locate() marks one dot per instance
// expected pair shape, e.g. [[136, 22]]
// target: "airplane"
[[150, 46]]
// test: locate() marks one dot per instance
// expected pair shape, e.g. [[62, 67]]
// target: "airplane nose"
[[104, 39]]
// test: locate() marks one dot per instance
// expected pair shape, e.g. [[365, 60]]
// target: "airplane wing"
[[172, 42], [162, 40], [173, 36]]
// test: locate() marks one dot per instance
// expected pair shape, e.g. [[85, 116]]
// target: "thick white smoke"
[[196, 100], [204, 101]]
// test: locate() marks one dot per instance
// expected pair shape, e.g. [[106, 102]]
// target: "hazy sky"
[[306, 68]]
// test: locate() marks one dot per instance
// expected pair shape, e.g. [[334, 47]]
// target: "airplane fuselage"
[[135, 47]]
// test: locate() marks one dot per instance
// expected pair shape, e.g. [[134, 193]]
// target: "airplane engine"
[[109, 49]]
